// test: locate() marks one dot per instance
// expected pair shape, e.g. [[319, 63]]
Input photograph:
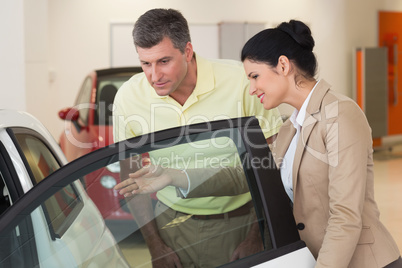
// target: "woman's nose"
[[252, 89]]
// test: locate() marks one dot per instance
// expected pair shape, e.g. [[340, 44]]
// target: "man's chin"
[[162, 92]]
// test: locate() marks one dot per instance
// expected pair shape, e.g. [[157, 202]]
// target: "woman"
[[324, 152]]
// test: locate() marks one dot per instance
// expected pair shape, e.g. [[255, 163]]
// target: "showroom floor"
[[388, 189], [388, 194]]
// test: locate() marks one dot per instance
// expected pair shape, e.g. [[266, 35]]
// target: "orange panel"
[[377, 142], [359, 78], [390, 28]]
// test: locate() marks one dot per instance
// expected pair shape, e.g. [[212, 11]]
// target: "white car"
[[67, 229], [53, 223]]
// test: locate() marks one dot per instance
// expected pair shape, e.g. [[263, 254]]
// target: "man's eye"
[[165, 61]]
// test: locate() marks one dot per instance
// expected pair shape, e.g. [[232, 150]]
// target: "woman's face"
[[268, 83]]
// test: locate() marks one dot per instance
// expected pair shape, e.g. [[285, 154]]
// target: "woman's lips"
[[261, 97]]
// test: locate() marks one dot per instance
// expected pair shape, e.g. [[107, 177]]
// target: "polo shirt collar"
[[205, 76]]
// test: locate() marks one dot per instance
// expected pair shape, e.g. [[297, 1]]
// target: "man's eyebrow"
[[165, 58], [158, 60]]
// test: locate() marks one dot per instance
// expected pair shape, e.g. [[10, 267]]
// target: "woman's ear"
[[284, 65]]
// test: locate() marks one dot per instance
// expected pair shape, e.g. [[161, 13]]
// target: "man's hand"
[[150, 179], [163, 256], [251, 245]]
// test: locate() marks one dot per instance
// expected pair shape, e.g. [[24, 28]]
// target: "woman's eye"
[[255, 76]]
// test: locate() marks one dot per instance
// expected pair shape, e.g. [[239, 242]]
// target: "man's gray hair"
[[156, 24]]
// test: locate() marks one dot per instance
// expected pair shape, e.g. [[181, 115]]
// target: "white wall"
[[74, 38], [12, 66], [392, 5], [37, 91]]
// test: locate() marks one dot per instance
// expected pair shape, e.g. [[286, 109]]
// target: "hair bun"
[[300, 32]]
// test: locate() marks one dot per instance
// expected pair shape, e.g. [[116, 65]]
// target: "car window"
[[10, 188], [84, 99], [40, 238], [219, 186], [106, 90], [4, 196], [229, 168], [62, 208], [17, 247], [116, 80], [40, 159]]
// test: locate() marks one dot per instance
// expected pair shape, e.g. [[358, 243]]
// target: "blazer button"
[[300, 226]]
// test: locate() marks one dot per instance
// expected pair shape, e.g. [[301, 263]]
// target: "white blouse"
[[297, 119]]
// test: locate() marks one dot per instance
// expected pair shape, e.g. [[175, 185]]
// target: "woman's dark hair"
[[292, 39]]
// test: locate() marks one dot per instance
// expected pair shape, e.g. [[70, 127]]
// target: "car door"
[[208, 152], [27, 158]]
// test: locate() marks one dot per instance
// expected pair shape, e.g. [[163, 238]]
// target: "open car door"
[[224, 158]]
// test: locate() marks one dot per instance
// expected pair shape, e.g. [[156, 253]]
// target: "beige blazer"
[[333, 184]]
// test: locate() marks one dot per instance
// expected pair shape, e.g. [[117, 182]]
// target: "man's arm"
[[200, 182], [141, 208]]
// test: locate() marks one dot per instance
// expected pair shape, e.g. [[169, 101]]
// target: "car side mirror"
[[71, 114]]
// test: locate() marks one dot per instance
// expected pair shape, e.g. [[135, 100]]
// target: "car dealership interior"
[[48, 48]]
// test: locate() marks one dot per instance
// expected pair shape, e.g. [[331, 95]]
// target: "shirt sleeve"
[[348, 143], [205, 182], [121, 129]]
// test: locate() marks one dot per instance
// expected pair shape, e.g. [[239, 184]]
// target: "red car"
[[88, 127]]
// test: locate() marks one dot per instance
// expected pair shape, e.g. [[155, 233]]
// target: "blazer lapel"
[[285, 136], [313, 115]]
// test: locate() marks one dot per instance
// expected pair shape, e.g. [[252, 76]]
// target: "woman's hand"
[[150, 179]]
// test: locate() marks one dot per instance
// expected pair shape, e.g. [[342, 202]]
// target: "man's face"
[[165, 66]]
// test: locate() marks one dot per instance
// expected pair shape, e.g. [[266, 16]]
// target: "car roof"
[[112, 71], [13, 118]]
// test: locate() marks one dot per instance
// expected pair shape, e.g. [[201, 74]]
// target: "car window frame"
[[271, 189], [12, 132], [14, 187], [285, 237], [84, 97], [15, 191]]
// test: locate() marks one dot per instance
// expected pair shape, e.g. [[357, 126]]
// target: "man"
[[178, 88]]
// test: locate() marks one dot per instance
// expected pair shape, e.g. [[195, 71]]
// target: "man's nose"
[[156, 74]]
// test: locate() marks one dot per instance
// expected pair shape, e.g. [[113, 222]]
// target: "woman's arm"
[[348, 144]]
